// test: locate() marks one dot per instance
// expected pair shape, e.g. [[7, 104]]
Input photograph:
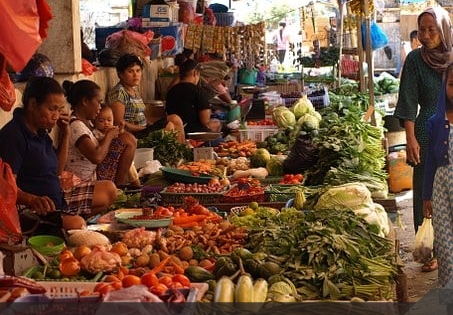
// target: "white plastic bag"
[[424, 242]]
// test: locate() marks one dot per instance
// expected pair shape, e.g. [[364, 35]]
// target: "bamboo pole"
[[369, 61], [341, 6]]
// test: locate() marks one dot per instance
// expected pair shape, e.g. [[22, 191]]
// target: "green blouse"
[[419, 90]]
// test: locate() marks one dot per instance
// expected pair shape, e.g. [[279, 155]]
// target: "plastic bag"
[[38, 66], [378, 37], [424, 242], [23, 24], [7, 90], [130, 42], [10, 231], [302, 156]]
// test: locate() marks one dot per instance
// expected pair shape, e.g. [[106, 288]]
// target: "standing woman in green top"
[[420, 86]]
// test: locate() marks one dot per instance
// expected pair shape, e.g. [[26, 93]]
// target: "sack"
[[10, 231], [130, 42], [424, 240], [38, 66], [377, 35]]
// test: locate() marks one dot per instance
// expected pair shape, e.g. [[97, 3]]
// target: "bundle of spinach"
[[167, 150], [350, 149], [328, 254]]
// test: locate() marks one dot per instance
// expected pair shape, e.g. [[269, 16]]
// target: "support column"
[[63, 45]]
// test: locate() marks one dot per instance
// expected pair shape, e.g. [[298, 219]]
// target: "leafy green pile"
[[327, 254], [167, 150], [350, 149]]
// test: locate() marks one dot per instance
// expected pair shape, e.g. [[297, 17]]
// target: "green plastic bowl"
[[47, 245]]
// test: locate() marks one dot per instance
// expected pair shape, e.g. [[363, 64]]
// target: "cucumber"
[[260, 288], [224, 290], [244, 289]]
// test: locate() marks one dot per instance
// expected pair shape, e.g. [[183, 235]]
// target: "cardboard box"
[[172, 40], [155, 24], [204, 153], [159, 12], [18, 258]]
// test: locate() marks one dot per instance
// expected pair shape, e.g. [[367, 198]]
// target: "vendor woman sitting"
[[28, 149]]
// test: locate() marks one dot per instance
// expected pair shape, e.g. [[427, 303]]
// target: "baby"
[[104, 121]]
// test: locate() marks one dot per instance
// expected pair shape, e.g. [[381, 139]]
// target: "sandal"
[[430, 265]]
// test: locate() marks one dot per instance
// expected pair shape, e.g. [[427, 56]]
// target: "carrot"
[[190, 218], [188, 225], [177, 268], [160, 266]]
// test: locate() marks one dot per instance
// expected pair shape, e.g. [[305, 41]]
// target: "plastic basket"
[[44, 304], [320, 101], [61, 289], [172, 198], [256, 134], [260, 197]]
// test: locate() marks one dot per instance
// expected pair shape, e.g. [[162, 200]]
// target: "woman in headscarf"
[[420, 86]]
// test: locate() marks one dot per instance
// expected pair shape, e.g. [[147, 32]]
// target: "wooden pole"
[[340, 36], [369, 61]]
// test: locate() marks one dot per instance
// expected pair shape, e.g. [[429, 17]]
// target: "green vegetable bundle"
[[167, 150], [350, 149], [327, 254]]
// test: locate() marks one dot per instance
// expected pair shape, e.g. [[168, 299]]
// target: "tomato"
[[103, 288], [149, 279], [131, 280], [159, 289], [176, 285], [69, 267], [299, 177], [294, 181], [167, 280], [66, 253], [181, 279]]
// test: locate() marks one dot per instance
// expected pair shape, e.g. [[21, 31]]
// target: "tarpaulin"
[[23, 24]]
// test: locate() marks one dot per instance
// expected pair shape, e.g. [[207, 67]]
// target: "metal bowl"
[[204, 136]]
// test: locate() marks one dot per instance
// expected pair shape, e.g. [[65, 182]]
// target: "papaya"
[[242, 253], [268, 269], [198, 274]]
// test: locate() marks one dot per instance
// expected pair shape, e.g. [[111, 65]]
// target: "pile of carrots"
[[196, 215], [236, 149], [197, 168]]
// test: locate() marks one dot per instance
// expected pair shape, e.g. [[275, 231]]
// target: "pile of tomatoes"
[[264, 122], [158, 285], [292, 179]]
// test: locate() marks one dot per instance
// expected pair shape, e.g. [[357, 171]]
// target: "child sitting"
[[103, 121]]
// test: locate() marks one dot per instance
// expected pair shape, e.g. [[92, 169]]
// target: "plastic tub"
[[142, 155]]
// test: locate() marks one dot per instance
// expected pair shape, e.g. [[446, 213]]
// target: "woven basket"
[[224, 19]]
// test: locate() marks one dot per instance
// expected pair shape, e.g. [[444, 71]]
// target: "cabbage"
[[308, 122], [375, 214], [281, 287], [275, 166], [283, 117], [302, 106], [349, 196]]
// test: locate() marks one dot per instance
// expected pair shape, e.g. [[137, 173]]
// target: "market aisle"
[[418, 282]]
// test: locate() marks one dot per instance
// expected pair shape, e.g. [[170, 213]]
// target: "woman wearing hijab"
[[420, 86]]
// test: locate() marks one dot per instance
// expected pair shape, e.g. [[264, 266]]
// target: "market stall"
[[245, 215], [285, 211]]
